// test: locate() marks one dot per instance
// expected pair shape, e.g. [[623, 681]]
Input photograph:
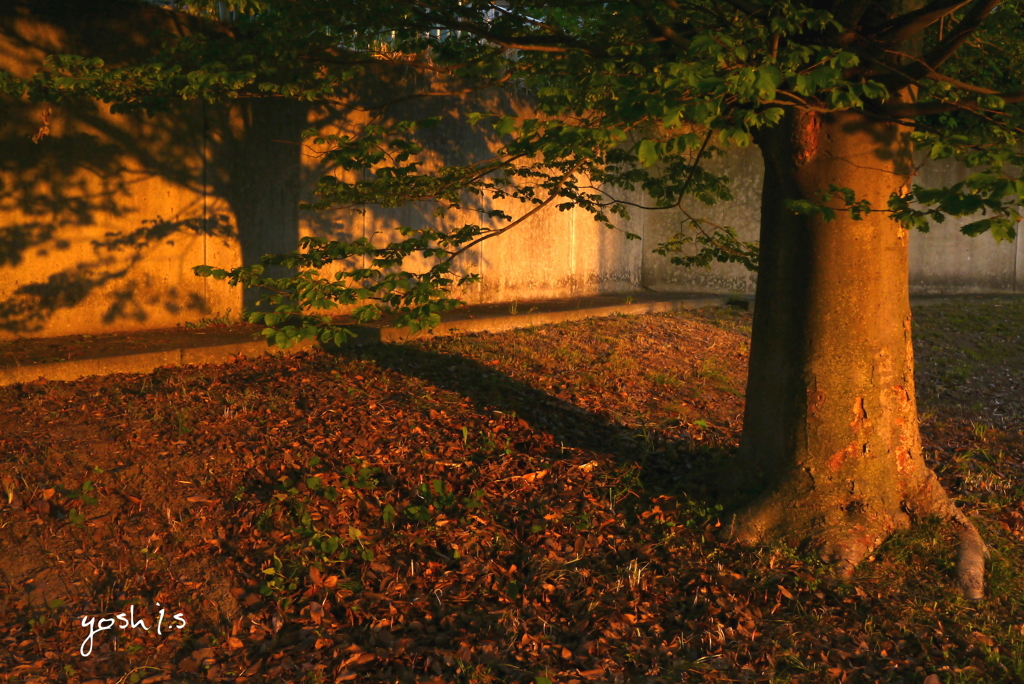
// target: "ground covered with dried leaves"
[[533, 506]]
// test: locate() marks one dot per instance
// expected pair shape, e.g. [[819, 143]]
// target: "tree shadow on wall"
[[107, 215], [74, 212], [128, 294], [77, 205]]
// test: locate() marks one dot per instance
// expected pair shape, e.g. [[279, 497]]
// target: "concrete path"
[[79, 356]]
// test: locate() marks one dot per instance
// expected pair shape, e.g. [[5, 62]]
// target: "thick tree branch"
[[935, 75], [669, 34], [912, 109], [745, 6], [535, 43], [970, 87], [660, 29], [909, 74], [848, 13], [907, 26], [909, 110], [947, 48]]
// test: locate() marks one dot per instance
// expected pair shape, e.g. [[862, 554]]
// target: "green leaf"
[[505, 125], [941, 150], [773, 115], [873, 90], [671, 118], [647, 153], [1002, 229], [766, 80]]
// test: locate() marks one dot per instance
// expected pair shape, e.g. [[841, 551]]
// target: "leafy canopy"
[[624, 95]]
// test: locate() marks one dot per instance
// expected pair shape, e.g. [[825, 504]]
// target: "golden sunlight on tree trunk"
[[831, 437]]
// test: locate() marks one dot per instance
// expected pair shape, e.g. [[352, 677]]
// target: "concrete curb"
[[136, 363], [146, 362], [530, 319]]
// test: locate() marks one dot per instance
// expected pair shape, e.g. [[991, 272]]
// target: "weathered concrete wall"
[[942, 261], [552, 254], [102, 220], [743, 166], [945, 260], [98, 238]]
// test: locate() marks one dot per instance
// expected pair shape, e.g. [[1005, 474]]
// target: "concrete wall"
[[945, 260], [942, 261], [744, 168], [553, 254], [102, 220]]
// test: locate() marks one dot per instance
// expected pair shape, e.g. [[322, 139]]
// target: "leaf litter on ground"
[[536, 505]]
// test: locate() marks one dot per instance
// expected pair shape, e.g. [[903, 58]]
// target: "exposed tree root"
[[970, 565], [847, 530], [972, 551]]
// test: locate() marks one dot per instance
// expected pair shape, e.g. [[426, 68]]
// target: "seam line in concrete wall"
[[644, 248], [206, 214], [573, 255], [1017, 265]]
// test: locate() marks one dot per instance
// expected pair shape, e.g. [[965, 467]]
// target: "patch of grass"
[[665, 380], [215, 321]]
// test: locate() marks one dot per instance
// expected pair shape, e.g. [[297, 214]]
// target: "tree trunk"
[[830, 438]]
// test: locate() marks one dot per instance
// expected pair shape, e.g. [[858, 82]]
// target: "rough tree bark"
[[830, 436]]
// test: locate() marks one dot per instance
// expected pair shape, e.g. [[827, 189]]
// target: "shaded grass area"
[[518, 507]]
